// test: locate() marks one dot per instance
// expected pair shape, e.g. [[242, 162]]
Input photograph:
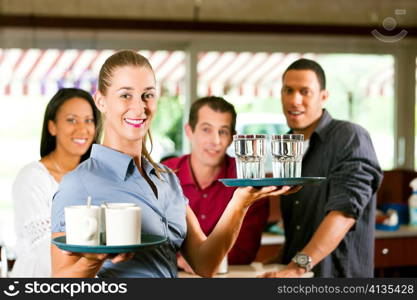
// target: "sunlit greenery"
[[168, 121]]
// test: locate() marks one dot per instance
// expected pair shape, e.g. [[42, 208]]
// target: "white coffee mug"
[[103, 217], [82, 225], [123, 225]]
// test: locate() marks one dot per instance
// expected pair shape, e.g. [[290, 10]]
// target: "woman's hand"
[[101, 257], [251, 194]]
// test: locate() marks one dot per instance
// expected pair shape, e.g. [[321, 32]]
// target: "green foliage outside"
[[168, 120]]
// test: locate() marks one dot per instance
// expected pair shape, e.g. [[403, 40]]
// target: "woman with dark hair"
[[69, 129]]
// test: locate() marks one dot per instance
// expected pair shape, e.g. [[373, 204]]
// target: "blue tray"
[[148, 241], [272, 181]]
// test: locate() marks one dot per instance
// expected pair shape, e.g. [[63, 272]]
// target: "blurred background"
[[237, 49]]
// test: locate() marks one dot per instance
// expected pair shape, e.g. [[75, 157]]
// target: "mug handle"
[[91, 228]]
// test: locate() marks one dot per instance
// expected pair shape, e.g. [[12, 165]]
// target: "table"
[[403, 231], [245, 271], [395, 251]]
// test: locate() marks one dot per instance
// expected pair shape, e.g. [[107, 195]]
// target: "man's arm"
[[331, 231], [352, 180]]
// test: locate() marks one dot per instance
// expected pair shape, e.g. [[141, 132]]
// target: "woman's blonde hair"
[[119, 59]]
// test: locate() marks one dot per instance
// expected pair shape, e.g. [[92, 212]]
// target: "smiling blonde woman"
[[121, 169]]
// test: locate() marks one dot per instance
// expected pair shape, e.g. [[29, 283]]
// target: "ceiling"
[[325, 12]]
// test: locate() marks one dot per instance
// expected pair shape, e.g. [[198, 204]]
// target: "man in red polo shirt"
[[210, 130]]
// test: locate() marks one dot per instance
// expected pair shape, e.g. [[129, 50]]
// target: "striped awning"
[[42, 72], [243, 73], [249, 74]]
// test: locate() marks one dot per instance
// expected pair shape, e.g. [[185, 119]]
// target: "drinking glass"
[[250, 150], [287, 155]]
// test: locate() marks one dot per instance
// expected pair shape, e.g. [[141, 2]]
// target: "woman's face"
[[74, 126], [129, 105]]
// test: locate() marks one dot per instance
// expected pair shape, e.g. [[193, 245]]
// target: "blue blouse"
[[111, 176]]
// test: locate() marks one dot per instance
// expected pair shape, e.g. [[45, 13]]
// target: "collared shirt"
[[111, 176], [209, 204], [342, 152]]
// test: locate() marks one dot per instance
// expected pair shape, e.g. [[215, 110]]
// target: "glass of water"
[[250, 150], [287, 155]]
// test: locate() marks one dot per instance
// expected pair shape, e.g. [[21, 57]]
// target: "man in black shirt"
[[329, 227]]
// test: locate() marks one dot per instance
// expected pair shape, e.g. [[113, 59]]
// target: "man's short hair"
[[217, 104], [308, 64]]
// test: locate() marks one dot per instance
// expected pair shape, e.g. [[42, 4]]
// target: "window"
[[361, 90], [30, 77], [415, 124], [358, 84]]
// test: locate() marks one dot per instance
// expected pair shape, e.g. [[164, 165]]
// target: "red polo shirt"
[[208, 205]]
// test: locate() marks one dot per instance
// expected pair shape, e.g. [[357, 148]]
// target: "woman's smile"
[[80, 141], [137, 123]]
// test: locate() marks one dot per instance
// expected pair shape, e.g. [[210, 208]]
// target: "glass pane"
[[357, 84], [30, 77], [365, 82], [415, 124]]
